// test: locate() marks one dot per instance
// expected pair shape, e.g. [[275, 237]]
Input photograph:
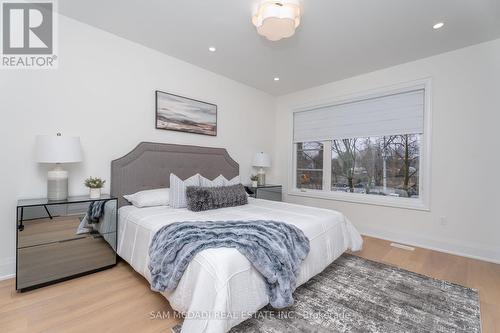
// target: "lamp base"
[[57, 184], [261, 181]]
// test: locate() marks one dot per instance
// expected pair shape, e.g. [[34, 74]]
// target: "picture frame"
[[183, 114]]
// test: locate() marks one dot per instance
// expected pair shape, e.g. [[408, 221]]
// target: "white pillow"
[[178, 189], [235, 181], [149, 198], [219, 181]]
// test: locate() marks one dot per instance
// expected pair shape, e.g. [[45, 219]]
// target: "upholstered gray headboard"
[[148, 166]]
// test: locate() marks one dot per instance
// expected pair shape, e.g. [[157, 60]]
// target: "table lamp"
[[58, 149], [261, 160]]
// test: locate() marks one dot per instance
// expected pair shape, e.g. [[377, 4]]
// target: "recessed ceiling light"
[[212, 49], [276, 79], [438, 25]]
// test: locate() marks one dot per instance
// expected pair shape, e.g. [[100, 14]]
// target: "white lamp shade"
[[58, 149], [262, 160]]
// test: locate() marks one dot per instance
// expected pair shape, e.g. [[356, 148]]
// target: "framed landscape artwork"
[[177, 113]]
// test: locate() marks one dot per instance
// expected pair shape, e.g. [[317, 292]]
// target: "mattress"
[[220, 287]]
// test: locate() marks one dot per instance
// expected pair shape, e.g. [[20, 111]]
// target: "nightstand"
[[48, 248], [268, 192]]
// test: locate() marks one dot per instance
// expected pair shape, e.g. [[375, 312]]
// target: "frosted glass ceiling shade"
[[262, 160], [277, 19], [58, 149]]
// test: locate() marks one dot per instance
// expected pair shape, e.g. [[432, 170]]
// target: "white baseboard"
[[473, 251], [7, 268], [8, 276]]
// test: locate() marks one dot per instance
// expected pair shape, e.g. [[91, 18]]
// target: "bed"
[[220, 288]]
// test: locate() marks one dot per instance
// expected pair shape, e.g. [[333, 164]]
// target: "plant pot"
[[254, 183], [95, 193]]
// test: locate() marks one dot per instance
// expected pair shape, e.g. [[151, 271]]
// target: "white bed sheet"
[[220, 286]]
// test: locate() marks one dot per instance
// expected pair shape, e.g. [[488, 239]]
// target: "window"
[[364, 150], [383, 165], [310, 165]]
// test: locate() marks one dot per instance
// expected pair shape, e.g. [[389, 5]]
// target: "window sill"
[[405, 203]]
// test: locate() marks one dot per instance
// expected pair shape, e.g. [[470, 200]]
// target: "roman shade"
[[401, 113]]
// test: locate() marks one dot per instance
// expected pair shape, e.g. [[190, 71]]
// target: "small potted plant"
[[95, 185], [254, 179]]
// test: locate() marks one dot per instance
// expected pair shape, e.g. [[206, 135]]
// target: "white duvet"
[[220, 287]]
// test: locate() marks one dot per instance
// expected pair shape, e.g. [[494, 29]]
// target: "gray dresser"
[[48, 248], [267, 192]]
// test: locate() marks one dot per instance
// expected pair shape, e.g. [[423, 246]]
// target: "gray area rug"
[[358, 295]]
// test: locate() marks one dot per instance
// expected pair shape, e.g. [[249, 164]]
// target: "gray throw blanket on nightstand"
[[94, 213], [275, 249]]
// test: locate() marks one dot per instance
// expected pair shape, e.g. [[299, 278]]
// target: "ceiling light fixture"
[[212, 49], [438, 25], [276, 79], [277, 19]]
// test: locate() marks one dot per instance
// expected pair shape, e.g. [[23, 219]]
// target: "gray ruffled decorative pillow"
[[205, 198]]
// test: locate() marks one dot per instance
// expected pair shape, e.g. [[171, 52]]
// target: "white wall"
[[465, 160], [103, 91]]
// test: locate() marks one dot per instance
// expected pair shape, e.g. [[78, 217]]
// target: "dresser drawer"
[[44, 231], [271, 193], [48, 262]]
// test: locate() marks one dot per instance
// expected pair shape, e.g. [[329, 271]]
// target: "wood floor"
[[119, 300]]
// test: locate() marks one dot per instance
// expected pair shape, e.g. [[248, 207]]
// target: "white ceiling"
[[336, 39]]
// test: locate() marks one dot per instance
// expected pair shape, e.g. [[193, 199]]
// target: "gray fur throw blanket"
[[95, 211], [275, 249]]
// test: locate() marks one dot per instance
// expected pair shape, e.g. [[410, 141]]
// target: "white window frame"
[[420, 203]]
